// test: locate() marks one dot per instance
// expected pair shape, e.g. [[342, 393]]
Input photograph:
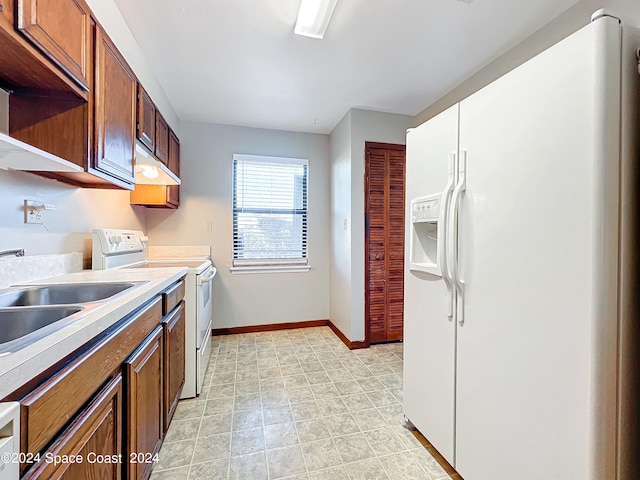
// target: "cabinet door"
[[173, 191], [174, 360], [144, 397], [162, 139], [95, 436], [115, 111], [173, 196], [6, 14], [146, 128], [174, 153], [61, 29]]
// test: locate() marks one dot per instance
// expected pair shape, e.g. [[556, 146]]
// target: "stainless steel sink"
[[30, 313], [61, 294], [28, 323]]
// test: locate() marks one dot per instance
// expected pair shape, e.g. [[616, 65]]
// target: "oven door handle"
[[202, 279]]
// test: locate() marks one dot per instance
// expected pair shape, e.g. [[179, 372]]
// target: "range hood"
[[17, 155], [150, 171]]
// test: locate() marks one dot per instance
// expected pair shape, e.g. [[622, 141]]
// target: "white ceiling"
[[238, 62]]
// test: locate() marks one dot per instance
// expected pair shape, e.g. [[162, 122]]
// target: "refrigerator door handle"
[[452, 235], [442, 234]]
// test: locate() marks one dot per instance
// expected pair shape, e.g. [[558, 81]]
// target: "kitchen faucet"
[[17, 253]]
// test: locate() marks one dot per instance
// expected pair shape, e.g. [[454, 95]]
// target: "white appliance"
[[117, 248], [519, 355]]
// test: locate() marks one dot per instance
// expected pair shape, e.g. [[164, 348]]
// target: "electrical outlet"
[[208, 226], [33, 211]]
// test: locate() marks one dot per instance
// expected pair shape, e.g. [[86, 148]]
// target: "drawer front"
[[172, 297], [47, 409]]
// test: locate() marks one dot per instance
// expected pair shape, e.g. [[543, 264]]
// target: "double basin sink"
[[29, 313]]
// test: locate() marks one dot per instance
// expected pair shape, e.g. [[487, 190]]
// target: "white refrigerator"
[[521, 268]]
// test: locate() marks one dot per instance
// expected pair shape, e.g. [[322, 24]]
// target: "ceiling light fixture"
[[314, 17]]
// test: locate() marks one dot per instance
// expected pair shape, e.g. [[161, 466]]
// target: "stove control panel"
[[112, 241], [122, 246]]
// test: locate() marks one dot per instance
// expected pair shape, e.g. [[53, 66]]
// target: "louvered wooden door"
[[384, 241]]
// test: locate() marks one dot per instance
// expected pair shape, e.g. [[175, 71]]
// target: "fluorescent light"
[[150, 171], [314, 17]]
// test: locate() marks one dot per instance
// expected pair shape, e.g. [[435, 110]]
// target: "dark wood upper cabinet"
[[162, 139], [144, 398], [173, 196], [173, 191], [161, 196], [23, 65], [61, 29], [156, 196], [174, 153], [146, 128], [115, 112]]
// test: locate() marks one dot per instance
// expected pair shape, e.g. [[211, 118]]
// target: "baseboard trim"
[[270, 327], [350, 345]]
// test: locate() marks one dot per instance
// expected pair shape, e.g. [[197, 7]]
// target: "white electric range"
[[117, 248]]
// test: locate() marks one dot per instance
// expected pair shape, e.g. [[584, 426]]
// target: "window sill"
[[241, 270]]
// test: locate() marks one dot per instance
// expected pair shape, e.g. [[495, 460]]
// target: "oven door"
[[204, 291]]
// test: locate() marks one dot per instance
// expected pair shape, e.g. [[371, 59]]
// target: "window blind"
[[269, 210]]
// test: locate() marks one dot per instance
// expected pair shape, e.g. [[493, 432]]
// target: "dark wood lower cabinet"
[[174, 358], [144, 405], [111, 401], [91, 447]]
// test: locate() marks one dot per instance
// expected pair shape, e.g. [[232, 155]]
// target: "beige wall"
[[206, 194], [347, 194], [340, 260], [68, 227]]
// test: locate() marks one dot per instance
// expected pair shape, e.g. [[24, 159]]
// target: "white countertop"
[[16, 368]]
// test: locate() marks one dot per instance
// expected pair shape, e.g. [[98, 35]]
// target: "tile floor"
[[296, 404]]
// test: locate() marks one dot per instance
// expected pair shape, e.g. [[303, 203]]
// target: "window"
[[269, 213]]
